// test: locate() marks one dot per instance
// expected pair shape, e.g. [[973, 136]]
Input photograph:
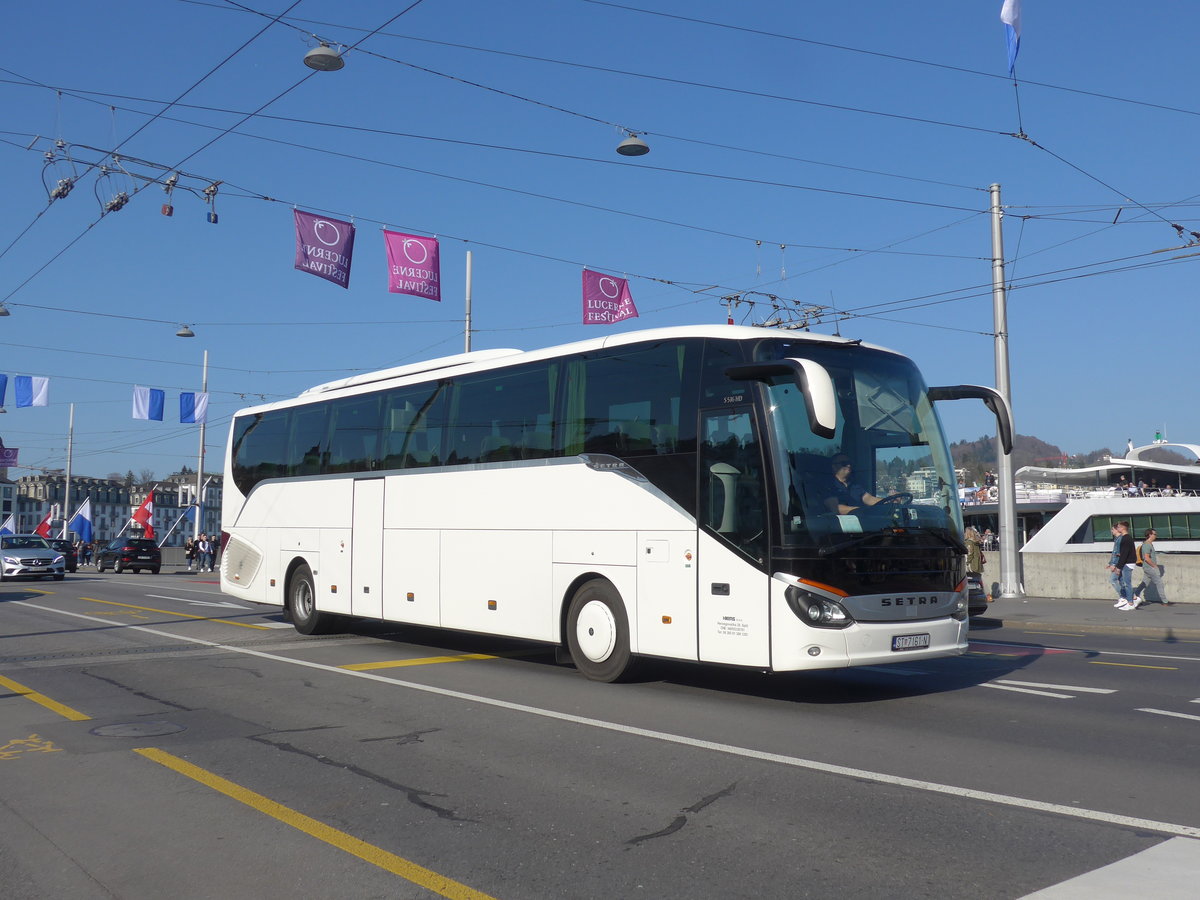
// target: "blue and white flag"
[[190, 513], [31, 390], [81, 522], [1010, 15], [148, 403], [3, 389], [8, 525], [193, 407]]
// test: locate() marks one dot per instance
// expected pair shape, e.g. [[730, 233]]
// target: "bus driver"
[[841, 495]]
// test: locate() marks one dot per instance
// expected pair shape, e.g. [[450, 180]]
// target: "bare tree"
[[145, 476]]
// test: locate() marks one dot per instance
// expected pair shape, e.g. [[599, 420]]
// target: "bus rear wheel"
[[302, 602], [598, 632]]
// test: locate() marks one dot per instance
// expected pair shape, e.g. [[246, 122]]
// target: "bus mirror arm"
[[991, 398], [813, 381]]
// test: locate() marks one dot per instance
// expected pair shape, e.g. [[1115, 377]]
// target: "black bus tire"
[[598, 632], [302, 603]]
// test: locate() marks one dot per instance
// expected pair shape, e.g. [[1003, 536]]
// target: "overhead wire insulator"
[[210, 197], [59, 168], [169, 187]]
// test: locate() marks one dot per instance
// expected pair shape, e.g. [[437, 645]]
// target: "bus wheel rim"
[[596, 631], [304, 601]]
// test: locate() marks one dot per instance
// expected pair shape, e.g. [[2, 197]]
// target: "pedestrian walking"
[[204, 553], [1120, 566], [1152, 570], [189, 552]]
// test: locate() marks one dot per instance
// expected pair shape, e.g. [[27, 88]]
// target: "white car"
[[30, 556]]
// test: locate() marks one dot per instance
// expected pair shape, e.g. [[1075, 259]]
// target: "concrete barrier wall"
[[1083, 575]]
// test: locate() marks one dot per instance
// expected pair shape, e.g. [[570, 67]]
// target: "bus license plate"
[[910, 641]]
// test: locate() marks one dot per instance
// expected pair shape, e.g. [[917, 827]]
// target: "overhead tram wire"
[[843, 47], [151, 120], [343, 127], [201, 149], [534, 194], [762, 32]]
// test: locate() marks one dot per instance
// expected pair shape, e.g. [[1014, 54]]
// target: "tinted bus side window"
[[413, 425], [629, 402], [260, 448], [306, 440], [354, 434], [503, 415]]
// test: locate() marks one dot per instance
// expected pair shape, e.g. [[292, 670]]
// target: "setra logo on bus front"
[[910, 601]]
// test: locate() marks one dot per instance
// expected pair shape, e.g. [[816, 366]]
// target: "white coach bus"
[[663, 493]]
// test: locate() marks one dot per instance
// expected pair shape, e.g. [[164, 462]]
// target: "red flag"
[[44, 528], [144, 515]]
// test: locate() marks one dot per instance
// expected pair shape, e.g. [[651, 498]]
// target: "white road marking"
[[666, 737], [1167, 712], [1164, 871], [1061, 687], [1021, 690], [225, 603]]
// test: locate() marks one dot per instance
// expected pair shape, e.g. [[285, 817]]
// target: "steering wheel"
[[900, 497]]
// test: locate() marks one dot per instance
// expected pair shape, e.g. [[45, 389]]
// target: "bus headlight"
[[820, 612]]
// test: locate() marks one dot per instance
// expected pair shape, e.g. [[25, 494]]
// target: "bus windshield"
[[886, 469]]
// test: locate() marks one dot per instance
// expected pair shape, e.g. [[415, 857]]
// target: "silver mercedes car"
[[29, 556]]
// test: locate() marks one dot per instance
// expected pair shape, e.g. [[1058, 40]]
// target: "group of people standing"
[[199, 552], [1125, 556]]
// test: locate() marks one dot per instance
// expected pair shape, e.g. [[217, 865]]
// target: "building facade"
[[113, 504]]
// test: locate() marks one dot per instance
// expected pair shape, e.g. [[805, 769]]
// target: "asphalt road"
[[155, 742]]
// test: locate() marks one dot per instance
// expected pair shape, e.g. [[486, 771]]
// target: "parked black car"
[[67, 549], [977, 603], [129, 553]]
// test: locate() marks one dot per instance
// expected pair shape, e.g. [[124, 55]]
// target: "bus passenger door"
[[734, 588], [366, 549]]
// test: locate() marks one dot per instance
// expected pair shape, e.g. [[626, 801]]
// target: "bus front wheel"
[[302, 602], [598, 632]]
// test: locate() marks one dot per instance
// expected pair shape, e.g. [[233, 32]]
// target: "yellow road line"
[[169, 612], [53, 705], [376, 856], [1133, 666], [424, 661]]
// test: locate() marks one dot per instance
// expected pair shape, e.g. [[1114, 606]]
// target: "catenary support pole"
[[66, 505], [198, 525], [1010, 575], [468, 324]]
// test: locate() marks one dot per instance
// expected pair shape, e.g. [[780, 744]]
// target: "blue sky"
[[862, 136]]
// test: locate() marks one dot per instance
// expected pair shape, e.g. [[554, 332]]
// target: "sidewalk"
[[1179, 621]]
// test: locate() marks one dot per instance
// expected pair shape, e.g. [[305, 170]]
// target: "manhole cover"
[[138, 729]]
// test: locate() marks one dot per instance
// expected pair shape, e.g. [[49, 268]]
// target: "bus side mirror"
[[813, 381], [991, 398]]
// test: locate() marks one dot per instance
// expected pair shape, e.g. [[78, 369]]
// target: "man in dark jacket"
[[1121, 565]]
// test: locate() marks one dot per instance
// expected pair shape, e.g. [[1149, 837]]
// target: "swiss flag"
[[44, 528], [144, 515]]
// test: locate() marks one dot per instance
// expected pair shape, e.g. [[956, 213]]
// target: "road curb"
[[1161, 632]]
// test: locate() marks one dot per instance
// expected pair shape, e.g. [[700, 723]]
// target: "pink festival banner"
[[606, 299], [324, 247], [413, 265]]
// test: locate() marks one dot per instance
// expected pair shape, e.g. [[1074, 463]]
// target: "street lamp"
[[633, 146], [323, 59], [185, 331]]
